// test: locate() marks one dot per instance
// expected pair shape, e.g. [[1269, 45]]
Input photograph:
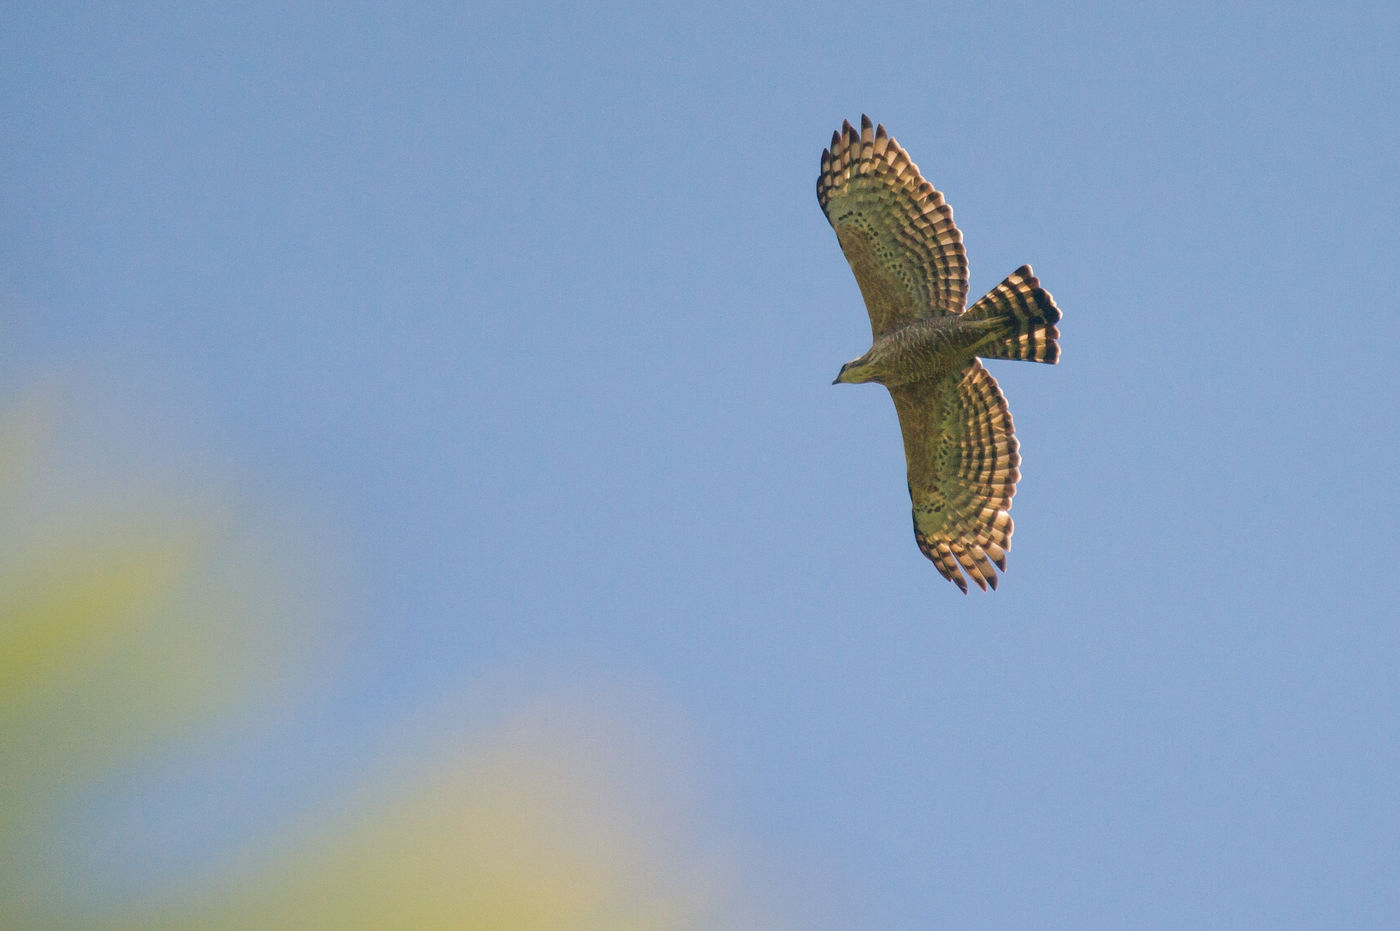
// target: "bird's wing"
[[896, 230], [963, 469]]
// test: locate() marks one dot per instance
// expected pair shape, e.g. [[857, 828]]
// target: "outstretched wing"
[[963, 469], [896, 230]]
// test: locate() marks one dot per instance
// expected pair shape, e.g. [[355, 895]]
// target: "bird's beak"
[[836, 380]]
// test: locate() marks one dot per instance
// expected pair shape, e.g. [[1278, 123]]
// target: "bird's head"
[[856, 371]]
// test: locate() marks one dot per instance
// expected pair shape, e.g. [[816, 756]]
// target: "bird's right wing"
[[963, 468], [895, 229]]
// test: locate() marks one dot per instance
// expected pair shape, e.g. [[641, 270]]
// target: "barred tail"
[[1023, 315]]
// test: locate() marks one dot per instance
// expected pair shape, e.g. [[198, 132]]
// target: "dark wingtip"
[[865, 123]]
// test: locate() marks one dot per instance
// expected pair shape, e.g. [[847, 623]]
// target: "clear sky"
[[520, 320]]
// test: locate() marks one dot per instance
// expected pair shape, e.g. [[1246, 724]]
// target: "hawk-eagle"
[[907, 255]]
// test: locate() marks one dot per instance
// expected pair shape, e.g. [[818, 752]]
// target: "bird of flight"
[[907, 255]]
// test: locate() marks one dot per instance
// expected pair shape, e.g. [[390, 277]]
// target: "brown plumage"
[[907, 255]]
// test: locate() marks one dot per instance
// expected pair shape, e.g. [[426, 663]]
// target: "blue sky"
[[525, 317]]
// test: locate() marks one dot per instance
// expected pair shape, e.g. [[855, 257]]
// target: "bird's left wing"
[[896, 230], [963, 468]]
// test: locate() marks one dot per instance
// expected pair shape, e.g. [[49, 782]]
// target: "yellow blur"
[[132, 623]]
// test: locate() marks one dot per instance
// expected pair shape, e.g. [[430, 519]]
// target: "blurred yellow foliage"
[[525, 830], [113, 640], [124, 629]]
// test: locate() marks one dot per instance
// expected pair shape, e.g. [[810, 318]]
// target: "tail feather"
[[1023, 315]]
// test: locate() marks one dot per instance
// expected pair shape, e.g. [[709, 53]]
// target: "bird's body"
[[922, 349], [907, 255]]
